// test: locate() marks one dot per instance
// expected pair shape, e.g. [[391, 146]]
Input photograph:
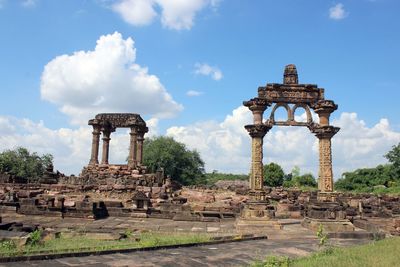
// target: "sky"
[[187, 65]]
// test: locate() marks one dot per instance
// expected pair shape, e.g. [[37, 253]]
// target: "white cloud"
[[136, 12], [193, 93], [29, 3], [337, 12], [106, 79], [2, 3], [179, 14], [225, 146], [207, 70], [152, 124], [175, 14]]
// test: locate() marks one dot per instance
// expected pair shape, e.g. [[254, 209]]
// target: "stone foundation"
[[108, 174], [328, 225]]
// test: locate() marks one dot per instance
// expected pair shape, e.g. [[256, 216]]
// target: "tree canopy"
[[394, 158], [365, 179], [24, 164], [295, 179], [273, 174], [182, 164]]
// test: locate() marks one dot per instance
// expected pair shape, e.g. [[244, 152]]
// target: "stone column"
[[324, 132], [94, 159], [132, 148], [257, 133], [324, 135], [106, 146], [139, 150]]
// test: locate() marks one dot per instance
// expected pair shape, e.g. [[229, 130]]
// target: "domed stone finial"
[[290, 76]]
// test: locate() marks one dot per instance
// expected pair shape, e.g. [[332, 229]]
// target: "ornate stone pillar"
[[324, 135], [106, 146], [324, 132], [133, 148], [257, 133], [94, 158]]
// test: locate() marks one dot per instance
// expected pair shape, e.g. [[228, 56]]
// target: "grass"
[[381, 253], [82, 243]]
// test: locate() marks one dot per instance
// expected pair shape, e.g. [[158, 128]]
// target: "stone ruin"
[[134, 172], [306, 96], [130, 190]]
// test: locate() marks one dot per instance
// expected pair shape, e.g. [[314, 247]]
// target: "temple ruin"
[[291, 95], [134, 171]]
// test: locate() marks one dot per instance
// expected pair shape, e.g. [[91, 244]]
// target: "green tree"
[[24, 164], [295, 179], [394, 158], [182, 164], [273, 174]]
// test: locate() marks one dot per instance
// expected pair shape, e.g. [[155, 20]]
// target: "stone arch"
[[288, 110], [306, 108]]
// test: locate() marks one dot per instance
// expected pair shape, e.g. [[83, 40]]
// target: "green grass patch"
[[82, 243], [381, 253]]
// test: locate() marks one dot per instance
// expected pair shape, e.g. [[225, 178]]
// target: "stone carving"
[[290, 75], [307, 96], [257, 130]]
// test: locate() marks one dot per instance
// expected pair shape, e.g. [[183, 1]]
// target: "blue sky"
[[219, 50]]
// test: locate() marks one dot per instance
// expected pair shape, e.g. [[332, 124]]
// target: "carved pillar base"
[[257, 216]]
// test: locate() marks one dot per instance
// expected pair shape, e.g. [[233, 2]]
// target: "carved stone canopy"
[[111, 121]]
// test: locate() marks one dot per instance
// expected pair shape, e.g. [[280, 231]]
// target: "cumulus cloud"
[[204, 69], [337, 12], [136, 12], [175, 14], [193, 93], [106, 79], [225, 145]]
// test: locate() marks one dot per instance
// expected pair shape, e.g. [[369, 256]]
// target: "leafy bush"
[[34, 238]]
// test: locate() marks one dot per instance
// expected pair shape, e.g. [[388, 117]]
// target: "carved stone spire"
[[290, 76]]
